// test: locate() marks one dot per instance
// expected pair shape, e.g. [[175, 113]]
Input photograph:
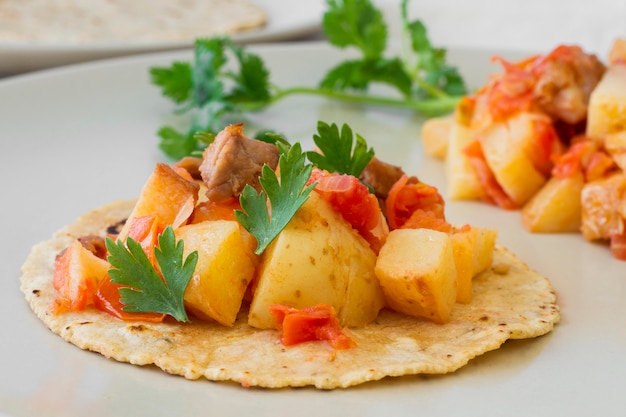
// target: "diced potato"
[[603, 207], [607, 104], [484, 244], [463, 243], [436, 134], [505, 145], [166, 195], [556, 208], [615, 145], [617, 54], [226, 264], [462, 182], [318, 259], [473, 253], [417, 272]]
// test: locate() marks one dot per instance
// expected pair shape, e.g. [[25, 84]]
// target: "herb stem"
[[430, 106]]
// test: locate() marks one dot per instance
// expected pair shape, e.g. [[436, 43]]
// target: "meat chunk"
[[381, 176], [567, 77], [234, 160]]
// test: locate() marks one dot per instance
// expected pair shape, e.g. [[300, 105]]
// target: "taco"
[[425, 330]]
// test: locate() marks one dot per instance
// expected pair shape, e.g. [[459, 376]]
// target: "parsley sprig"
[[145, 290], [337, 154], [226, 81], [286, 195]]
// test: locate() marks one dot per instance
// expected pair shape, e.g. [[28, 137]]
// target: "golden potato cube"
[[607, 104], [436, 134], [556, 208], [617, 54], [615, 145], [463, 243], [462, 182], [484, 244], [318, 259], [226, 264], [166, 195], [417, 272], [505, 145], [473, 253]]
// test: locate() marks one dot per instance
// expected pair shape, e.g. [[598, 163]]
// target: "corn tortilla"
[[118, 21], [509, 301]]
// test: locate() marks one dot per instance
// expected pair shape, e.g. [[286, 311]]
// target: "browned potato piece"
[[556, 207], [318, 259], [505, 145], [607, 104], [418, 274], [435, 136], [473, 253], [461, 180], [226, 263]]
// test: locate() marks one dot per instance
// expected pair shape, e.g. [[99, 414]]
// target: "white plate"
[[286, 20], [77, 138]]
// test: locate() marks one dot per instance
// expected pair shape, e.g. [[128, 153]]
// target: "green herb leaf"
[[355, 23], [274, 138], [145, 291], [217, 90], [210, 89], [359, 74], [176, 144], [428, 67], [175, 81], [285, 197], [337, 154]]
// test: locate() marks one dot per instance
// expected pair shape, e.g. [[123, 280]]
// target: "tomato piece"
[[512, 92], [146, 230], [353, 200], [77, 273], [574, 159], [546, 146], [426, 219], [410, 198], [107, 299], [600, 164], [494, 194], [317, 322], [215, 210], [583, 155]]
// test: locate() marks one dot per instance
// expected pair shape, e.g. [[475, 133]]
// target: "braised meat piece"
[[234, 160], [381, 176], [566, 79]]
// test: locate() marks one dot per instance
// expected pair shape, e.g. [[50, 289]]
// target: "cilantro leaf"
[[175, 143], [355, 23], [226, 80], [358, 74], [428, 67], [210, 89], [337, 153], [175, 81], [146, 291], [285, 197], [274, 138]]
